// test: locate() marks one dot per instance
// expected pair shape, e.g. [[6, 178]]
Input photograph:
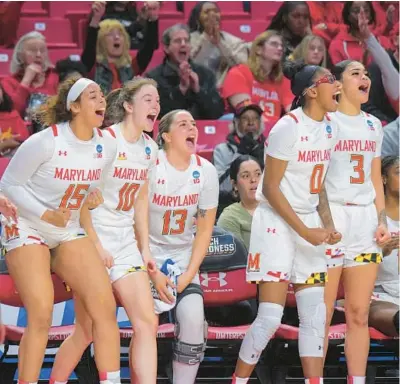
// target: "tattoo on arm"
[[201, 212], [324, 209], [382, 218]]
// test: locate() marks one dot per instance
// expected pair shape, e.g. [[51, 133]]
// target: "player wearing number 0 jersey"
[[355, 193], [113, 221], [183, 187], [287, 229], [50, 179]]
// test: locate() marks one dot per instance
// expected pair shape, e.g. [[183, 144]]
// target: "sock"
[[239, 380], [54, 381], [314, 380], [110, 377], [355, 379], [26, 382]]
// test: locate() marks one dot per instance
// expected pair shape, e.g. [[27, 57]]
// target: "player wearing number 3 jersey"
[[355, 193], [50, 179], [134, 108], [183, 185], [286, 243]]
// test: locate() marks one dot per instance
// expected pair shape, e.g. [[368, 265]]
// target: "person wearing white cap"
[[119, 227], [50, 178], [182, 187]]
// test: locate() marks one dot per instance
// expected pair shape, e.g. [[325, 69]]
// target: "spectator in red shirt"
[[293, 22], [32, 76], [13, 130], [311, 50], [261, 80], [348, 44]]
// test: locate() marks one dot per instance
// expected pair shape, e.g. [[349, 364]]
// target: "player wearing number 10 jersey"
[[355, 193], [48, 180], [183, 186]]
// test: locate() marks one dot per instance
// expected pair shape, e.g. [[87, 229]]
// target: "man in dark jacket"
[[183, 84]]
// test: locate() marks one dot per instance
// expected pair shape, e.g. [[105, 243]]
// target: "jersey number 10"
[[127, 196]]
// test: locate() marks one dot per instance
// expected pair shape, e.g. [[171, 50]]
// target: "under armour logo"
[[160, 181], [271, 230], [62, 153], [304, 138], [220, 279]]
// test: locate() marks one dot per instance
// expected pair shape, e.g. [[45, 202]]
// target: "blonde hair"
[[254, 64], [55, 111], [301, 51], [115, 111], [17, 64], [106, 26], [164, 125]]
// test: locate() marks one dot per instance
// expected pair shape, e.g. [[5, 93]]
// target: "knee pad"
[[187, 353], [396, 321], [265, 325], [312, 315]]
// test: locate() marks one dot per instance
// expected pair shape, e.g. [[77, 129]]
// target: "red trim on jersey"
[[99, 132], [293, 117], [55, 130], [198, 159], [366, 114], [327, 117], [157, 161], [146, 136], [109, 129]]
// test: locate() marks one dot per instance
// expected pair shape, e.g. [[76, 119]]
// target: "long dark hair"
[[7, 104], [346, 15], [194, 18]]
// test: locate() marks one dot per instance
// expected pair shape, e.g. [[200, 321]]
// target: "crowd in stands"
[[200, 66]]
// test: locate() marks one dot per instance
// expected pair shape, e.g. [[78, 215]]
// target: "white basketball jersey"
[[174, 198], [74, 169], [307, 146], [124, 179], [349, 176], [389, 268]]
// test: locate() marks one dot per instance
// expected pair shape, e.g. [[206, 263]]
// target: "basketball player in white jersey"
[[384, 310], [183, 186], [135, 108], [355, 193], [48, 180], [9, 211], [286, 243]]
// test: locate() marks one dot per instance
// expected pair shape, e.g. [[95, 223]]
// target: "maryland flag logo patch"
[[142, 268], [317, 278], [369, 258]]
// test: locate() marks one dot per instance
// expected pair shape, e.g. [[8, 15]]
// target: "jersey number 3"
[[180, 216], [358, 168]]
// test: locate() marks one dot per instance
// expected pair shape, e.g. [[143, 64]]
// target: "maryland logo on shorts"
[[253, 262], [317, 278], [369, 258], [11, 232]]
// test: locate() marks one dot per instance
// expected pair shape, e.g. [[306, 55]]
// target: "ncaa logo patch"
[[370, 125], [147, 150], [328, 131], [99, 150], [196, 177]]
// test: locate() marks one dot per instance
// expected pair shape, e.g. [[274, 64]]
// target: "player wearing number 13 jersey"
[[183, 186], [50, 179], [355, 192]]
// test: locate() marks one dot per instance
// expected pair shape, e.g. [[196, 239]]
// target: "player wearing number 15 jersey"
[[183, 186], [48, 179], [355, 192], [286, 234]]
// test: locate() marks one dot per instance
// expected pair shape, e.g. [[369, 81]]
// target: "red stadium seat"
[[247, 30], [167, 11], [206, 154], [60, 8], [5, 60], [211, 133], [64, 53], [264, 10], [156, 60], [33, 9], [56, 30]]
